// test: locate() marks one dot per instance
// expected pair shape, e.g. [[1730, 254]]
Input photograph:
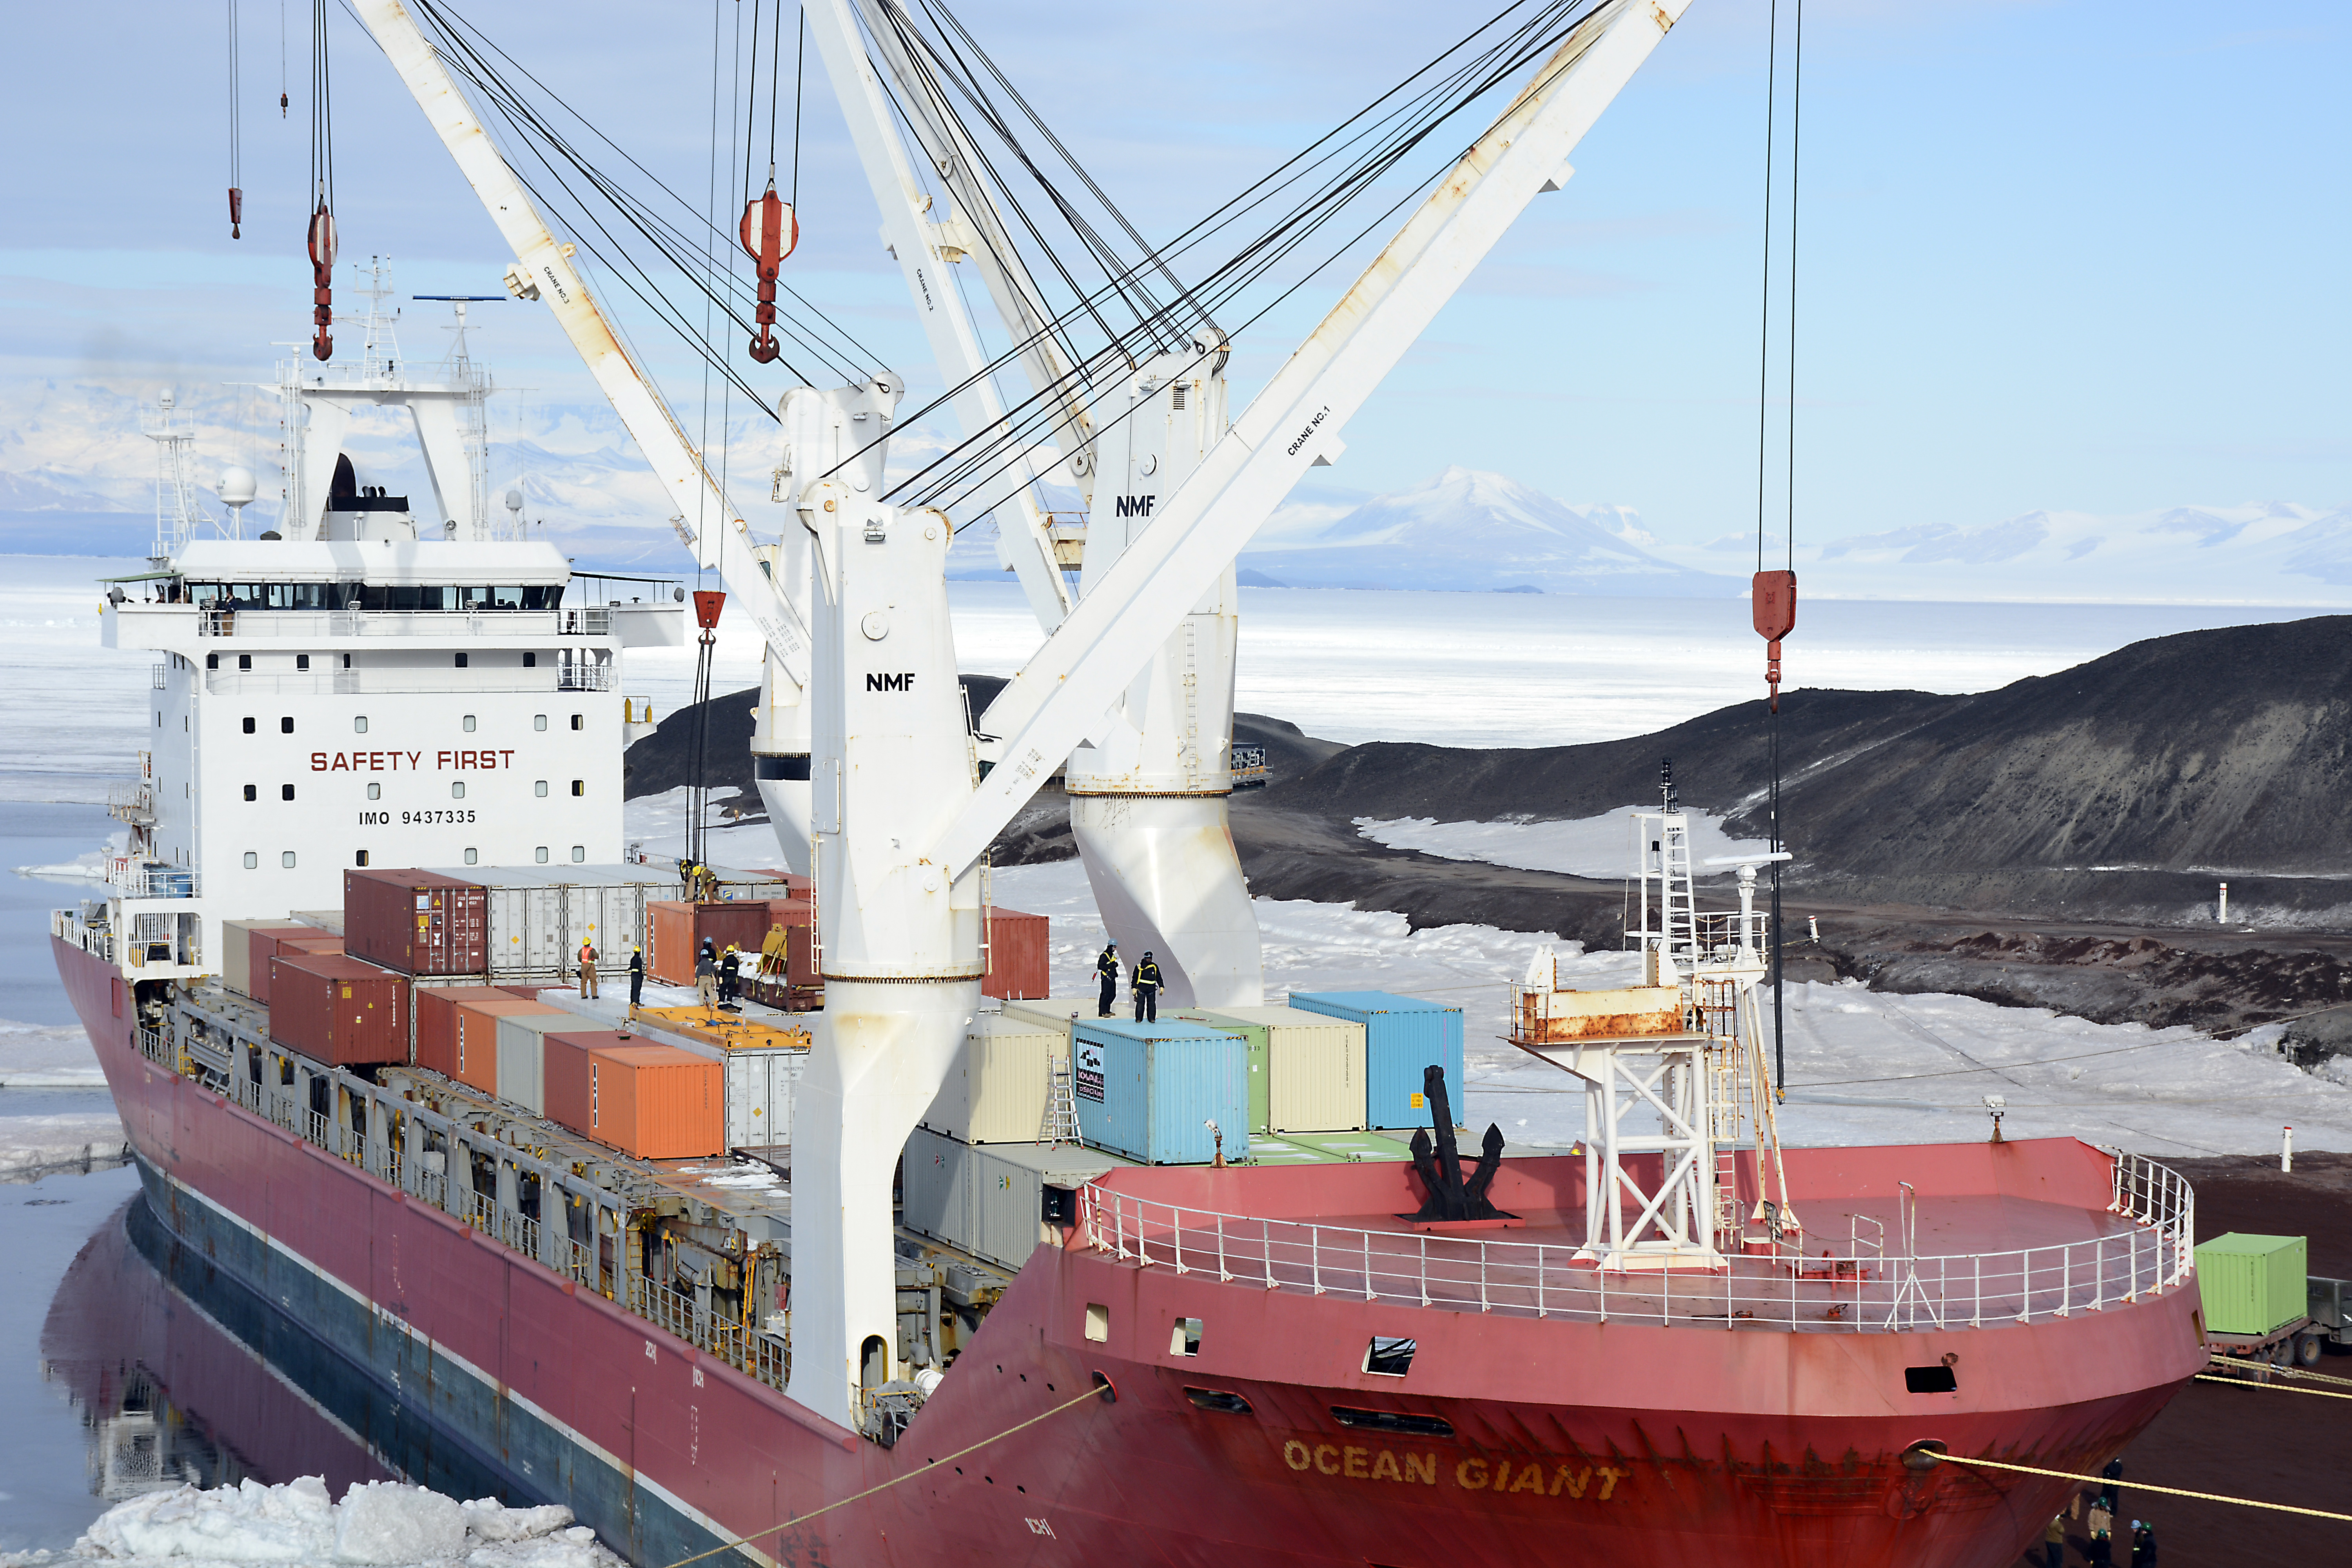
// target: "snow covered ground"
[[380, 1523], [1586, 846], [1863, 1067]]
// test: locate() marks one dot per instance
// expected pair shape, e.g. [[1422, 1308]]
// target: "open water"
[[87, 1409]]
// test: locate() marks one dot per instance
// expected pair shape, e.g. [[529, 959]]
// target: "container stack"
[[267, 944], [999, 1201], [1306, 1068], [237, 949], [653, 1101]]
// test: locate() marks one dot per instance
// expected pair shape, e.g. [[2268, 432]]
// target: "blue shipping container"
[[1402, 1035], [1148, 1090]]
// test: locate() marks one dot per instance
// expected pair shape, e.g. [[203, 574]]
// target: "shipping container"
[[473, 1057], [989, 1200], [656, 1102], [333, 1008], [538, 916], [996, 1088], [1252, 1037], [435, 1020], [1161, 1093], [564, 1070], [761, 1085], [1020, 950], [330, 921], [237, 950], [2252, 1284], [796, 982], [522, 1079], [676, 931], [1402, 1035], [1054, 1012], [1313, 1067], [268, 945], [418, 922]]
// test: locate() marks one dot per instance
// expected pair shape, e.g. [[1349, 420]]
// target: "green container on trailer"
[[2252, 1284]]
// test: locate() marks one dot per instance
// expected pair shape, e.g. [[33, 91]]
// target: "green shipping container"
[[2251, 1284]]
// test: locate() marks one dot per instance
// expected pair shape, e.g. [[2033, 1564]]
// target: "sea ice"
[[386, 1523]]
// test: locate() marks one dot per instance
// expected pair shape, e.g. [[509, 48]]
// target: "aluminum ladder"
[[1061, 1122]]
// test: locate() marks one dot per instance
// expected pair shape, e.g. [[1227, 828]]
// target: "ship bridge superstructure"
[[320, 705]]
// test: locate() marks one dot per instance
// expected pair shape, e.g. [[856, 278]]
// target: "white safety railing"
[[1866, 1289]]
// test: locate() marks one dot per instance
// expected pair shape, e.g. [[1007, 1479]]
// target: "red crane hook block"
[[236, 211], [707, 603], [770, 231], [1775, 617], [322, 278]]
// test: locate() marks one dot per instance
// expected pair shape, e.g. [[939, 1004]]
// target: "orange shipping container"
[[437, 1021], [656, 1102], [473, 1058], [339, 1010], [268, 944], [675, 931], [1019, 954]]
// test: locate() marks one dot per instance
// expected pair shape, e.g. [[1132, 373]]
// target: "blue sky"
[[2064, 255]]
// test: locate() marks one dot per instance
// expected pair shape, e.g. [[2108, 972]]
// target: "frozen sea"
[[1470, 669]]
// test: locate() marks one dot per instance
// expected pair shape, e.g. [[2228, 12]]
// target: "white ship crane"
[[900, 815], [1148, 798]]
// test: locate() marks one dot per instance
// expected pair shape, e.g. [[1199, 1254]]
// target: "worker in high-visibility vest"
[[1145, 984], [1107, 969]]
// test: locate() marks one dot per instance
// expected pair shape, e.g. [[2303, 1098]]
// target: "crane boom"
[[1060, 697], [719, 536], [924, 248]]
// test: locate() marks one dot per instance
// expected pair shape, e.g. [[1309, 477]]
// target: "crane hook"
[[770, 231]]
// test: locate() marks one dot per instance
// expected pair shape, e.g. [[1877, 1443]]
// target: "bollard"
[[2286, 1148]]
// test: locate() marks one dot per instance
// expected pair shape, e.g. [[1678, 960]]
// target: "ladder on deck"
[[1061, 1124]]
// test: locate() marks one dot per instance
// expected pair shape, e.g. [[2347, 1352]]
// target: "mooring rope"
[[1096, 1392], [2284, 1387], [2137, 1486]]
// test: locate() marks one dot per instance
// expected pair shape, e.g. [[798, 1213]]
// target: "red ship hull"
[[1574, 1443]]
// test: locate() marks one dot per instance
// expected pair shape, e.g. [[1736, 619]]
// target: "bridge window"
[[539, 721], [539, 854], [473, 856], [457, 789], [359, 724], [286, 859], [301, 661], [286, 726], [245, 661], [249, 725], [212, 661], [461, 661], [579, 786], [578, 853], [359, 858], [252, 860], [286, 792], [375, 791], [579, 721], [539, 789], [530, 660], [251, 793], [469, 725]]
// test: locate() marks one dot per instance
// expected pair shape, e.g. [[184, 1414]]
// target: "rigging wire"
[[284, 102], [323, 237], [1379, 141], [800, 75]]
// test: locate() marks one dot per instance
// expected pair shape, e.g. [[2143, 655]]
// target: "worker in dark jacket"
[[730, 975], [2113, 1473], [706, 975], [2143, 1545], [1146, 982], [1107, 971], [2054, 1543], [637, 977]]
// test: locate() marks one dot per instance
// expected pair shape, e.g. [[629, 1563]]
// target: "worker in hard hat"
[[1146, 982], [706, 975], [730, 975], [636, 978], [1107, 971]]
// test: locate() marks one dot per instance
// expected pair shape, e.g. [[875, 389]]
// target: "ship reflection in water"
[[182, 1376]]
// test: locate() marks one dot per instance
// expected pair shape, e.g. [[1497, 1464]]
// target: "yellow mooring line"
[[1937, 1455], [1096, 1392]]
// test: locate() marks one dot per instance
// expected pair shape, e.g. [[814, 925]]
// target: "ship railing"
[[158, 676], [314, 1127], [479, 1211], [432, 1186], [137, 879], [519, 1231], [1870, 1287], [584, 675], [156, 1047]]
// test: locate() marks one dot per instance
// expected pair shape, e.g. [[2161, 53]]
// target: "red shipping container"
[[418, 922], [437, 1022], [565, 1071], [333, 1008], [676, 931], [1020, 951], [237, 951], [268, 944], [473, 1058], [656, 1102]]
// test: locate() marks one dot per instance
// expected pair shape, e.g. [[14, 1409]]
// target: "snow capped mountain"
[[2261, 552], [1469, 531]]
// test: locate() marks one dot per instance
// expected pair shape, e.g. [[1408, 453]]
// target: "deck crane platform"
[[900, 814], [1148, 797]]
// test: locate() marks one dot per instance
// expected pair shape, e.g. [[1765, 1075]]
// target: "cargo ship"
[[1022, 1282]]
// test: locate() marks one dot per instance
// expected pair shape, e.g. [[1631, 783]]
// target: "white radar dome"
[[514, 500], [236, 487]]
